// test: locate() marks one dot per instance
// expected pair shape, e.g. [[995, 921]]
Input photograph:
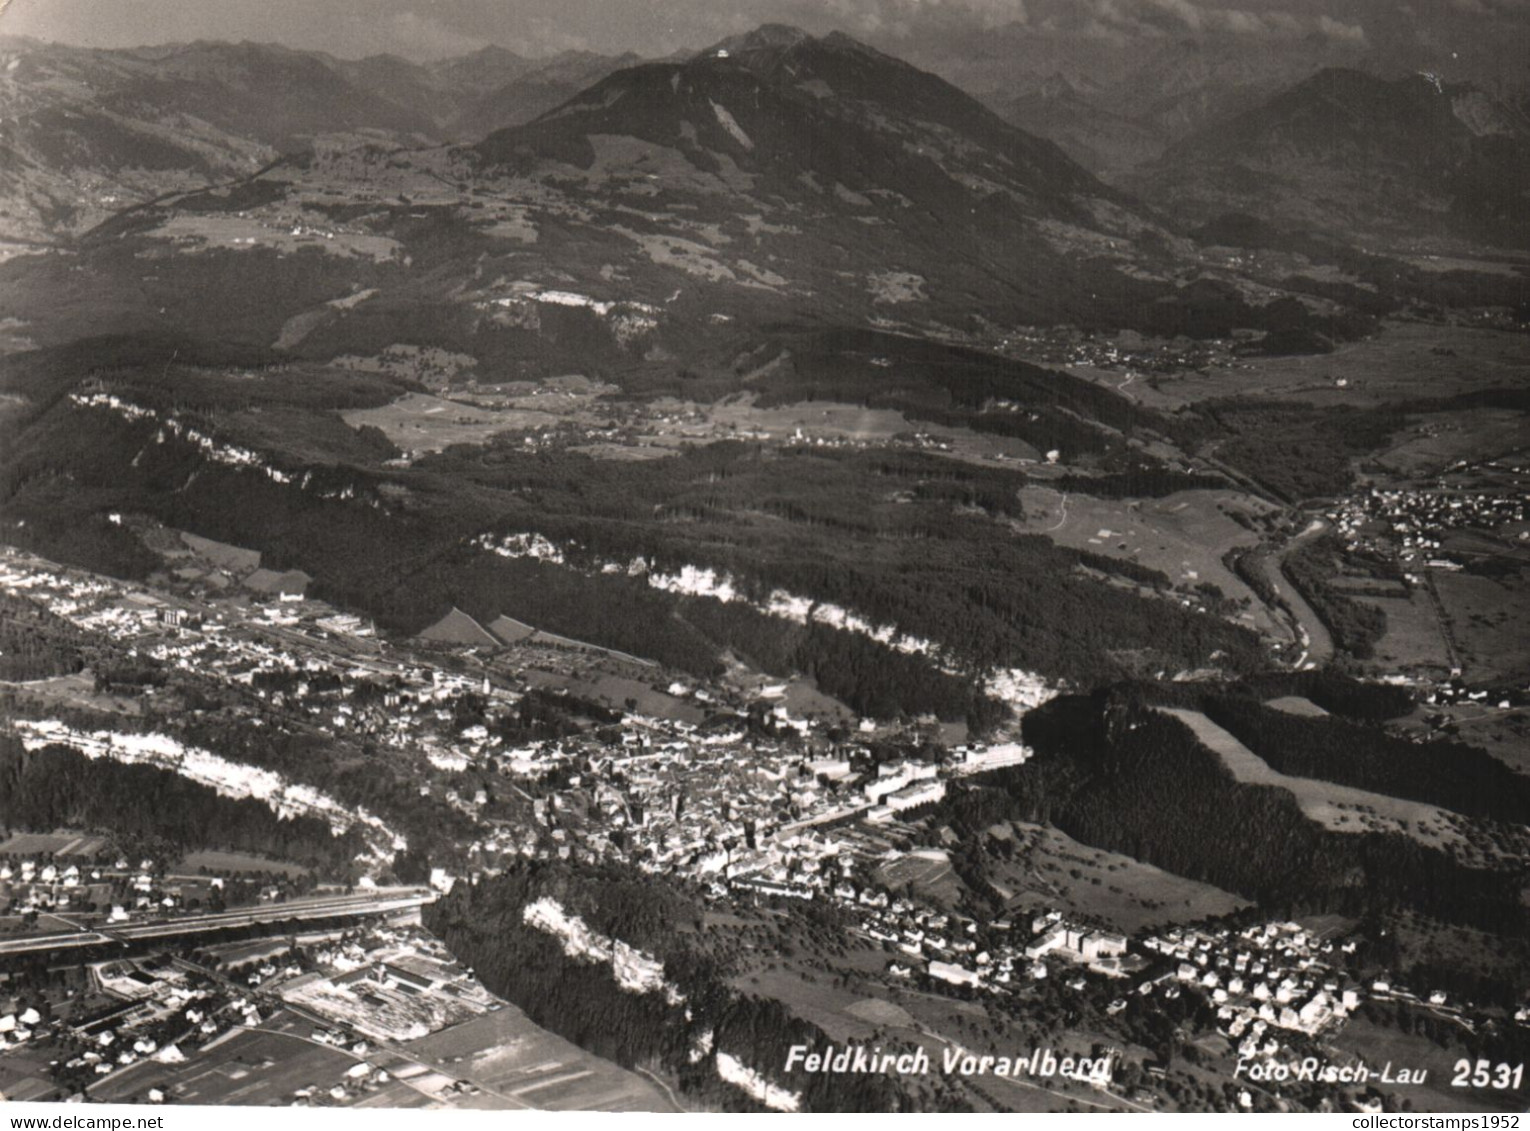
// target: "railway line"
[[324, 907]]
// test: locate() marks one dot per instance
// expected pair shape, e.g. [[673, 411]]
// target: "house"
[[955, 975], [920, 793]]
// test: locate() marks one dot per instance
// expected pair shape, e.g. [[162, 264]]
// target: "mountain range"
[[293, 200], [87, 132], [1140, 452], [1191, 128], [1114, 109], [773, 178], [1409, 159]]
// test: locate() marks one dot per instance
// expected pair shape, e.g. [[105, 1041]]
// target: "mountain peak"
[[844, 42], [766, 37]]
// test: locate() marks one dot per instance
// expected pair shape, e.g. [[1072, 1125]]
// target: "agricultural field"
[[398, 1093], [1183, 535], [77, 690], [1297, 705], [927, 871], [1487, 618], [819, 422], [418, 423], [939, 1022], [24, 1077], [253, 1067], [62, 843], [1505, 734], [431, 366], [846, 1014], [1379, 1044], [804, 700], [853, 999], [1413, 641], [1446, 946], [233, 559], [1049, 869], [1476, 264], [509, 1058], [205, 230], [235, 863], [615, 691], [1406, 360], [880, 1012], [1434, 441], [559, 396], [1340, 808]]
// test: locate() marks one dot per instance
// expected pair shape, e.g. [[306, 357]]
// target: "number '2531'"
[[1486, 1074]]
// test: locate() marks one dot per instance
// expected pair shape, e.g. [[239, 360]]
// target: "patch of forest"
[[1297, 451], [1449, 774], [833, 528], [35, 644], [359, 774], [1142, 481], [1115, 773], [56, 787], [871, 679], [484, 927], [1361, 701], [892, 536], [356, 773], [1335, 692], [950, 385], [1396, 282]]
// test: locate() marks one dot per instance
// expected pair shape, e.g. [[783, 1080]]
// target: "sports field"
[[61, 843]]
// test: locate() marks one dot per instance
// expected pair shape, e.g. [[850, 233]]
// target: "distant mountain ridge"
[[674, 209], [1115, 106], [1348, 153], [88, 131], [1115, 102], [683, 209]]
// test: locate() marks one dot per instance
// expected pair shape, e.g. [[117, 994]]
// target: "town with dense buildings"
[[727, 788]]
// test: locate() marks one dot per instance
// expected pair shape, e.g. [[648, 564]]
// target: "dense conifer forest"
[[57, 787]]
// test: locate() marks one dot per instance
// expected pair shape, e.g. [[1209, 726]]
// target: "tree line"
[[56, 787]]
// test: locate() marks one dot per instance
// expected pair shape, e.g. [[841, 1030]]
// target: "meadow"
[[505, 1054], [1338, 808], [1050, 870]]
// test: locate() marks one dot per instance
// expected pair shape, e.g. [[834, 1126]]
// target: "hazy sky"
[[424, 29]]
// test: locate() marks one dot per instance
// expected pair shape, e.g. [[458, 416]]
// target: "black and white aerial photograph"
[[666, 556]]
